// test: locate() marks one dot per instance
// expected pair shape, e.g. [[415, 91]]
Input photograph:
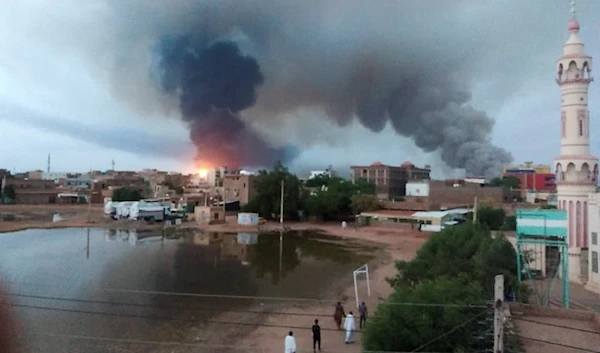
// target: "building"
[[576, 169], [33, 191], [536, 168], [390, 181], [239, 187], [209, 215], [593, 214], [433, 195], [532, 177]]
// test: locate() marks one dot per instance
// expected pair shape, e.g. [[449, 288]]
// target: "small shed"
[[247, 219], [209, 215]]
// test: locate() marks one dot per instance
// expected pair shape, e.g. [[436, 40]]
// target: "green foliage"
[[548, 207], [404, 328], [492, 218], [464, 249], [9, 195], [364, 203], [332, 196], [510, 223], [335, 195], [455, 266], [506, 182], [268, 193], [126, 194]]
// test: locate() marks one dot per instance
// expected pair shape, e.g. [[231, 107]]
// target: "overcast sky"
[[54, 99]]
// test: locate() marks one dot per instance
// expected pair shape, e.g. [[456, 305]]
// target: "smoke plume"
[[234, 63]]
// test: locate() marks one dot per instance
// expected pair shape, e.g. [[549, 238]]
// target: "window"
[[580, 127], [595, 261], [594, 238], [564, 127]]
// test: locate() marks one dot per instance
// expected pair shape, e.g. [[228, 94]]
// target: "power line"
[[165, 318], [196, 307], [173, 343], [557, 344], [248, 311], [557, 325], [202, 295], [450, 331]]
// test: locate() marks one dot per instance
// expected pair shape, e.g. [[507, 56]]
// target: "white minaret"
[[576, 168]]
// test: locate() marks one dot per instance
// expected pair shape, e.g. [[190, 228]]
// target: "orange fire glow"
[[202, 173]]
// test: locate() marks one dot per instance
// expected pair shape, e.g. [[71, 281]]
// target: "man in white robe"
[[290, 343], [349, 327]]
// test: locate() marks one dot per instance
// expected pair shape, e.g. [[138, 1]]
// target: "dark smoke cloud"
[[214, 82], [233, 63]]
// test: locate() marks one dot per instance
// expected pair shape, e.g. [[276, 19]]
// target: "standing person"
[[290, 343], [316, 329], [338, 315], [349, 327], [363, 312]]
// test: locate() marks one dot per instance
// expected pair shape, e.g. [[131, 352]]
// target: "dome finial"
[[573, 24]]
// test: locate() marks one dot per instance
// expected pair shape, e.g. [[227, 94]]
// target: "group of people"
[[349, 327]]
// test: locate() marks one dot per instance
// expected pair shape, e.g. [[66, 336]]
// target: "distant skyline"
[[56, 101]]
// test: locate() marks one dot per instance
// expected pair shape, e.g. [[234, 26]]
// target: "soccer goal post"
[[364, 269]]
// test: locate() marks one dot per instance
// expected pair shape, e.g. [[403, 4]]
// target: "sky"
[[59, 95]]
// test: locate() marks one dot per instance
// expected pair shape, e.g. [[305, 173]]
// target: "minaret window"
[[580, 127], [564, 125]]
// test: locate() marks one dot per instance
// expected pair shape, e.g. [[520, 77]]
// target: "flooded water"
[[95, 290]]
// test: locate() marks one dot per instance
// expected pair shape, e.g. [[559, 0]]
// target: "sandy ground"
[[398, 244]]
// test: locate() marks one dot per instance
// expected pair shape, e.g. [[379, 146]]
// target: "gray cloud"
[[115, 137], [407, 65]]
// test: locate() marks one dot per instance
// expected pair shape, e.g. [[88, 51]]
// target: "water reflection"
[[86, 263]]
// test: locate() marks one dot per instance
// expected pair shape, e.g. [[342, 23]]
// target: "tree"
[[268, 193], [363, 203], [509, 182], [126, 194], [404, 328], [9, 194], [455, 266], [510, 223], [492, 218]]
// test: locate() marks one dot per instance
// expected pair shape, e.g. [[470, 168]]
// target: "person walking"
[[363, 312], [290, 343], [349, 326], [316, 329], [338, 315]]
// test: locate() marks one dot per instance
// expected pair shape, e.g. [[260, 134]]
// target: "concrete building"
[[532, 177], [390, 181], [576, 169], [417, 188], [593, 214], [239, 187], [33, 191], [536, 168], [209, 215]]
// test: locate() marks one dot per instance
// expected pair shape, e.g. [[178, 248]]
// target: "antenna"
[[113, 165], [48, 163], [573, 8]]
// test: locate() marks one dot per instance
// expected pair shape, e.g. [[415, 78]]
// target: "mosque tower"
[[576, 169]]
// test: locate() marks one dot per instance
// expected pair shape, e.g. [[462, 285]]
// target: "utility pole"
[[281, 204], [475, 211], [499, 314], [90, 199]]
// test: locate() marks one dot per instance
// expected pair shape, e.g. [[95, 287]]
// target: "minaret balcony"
[[574, 80]]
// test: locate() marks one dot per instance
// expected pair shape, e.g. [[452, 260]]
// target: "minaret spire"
[[573, 8]]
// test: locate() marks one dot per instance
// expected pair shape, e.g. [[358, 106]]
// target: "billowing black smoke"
[[237, 66], [214, 82]]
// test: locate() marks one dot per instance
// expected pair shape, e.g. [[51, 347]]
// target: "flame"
[[202, 173]]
